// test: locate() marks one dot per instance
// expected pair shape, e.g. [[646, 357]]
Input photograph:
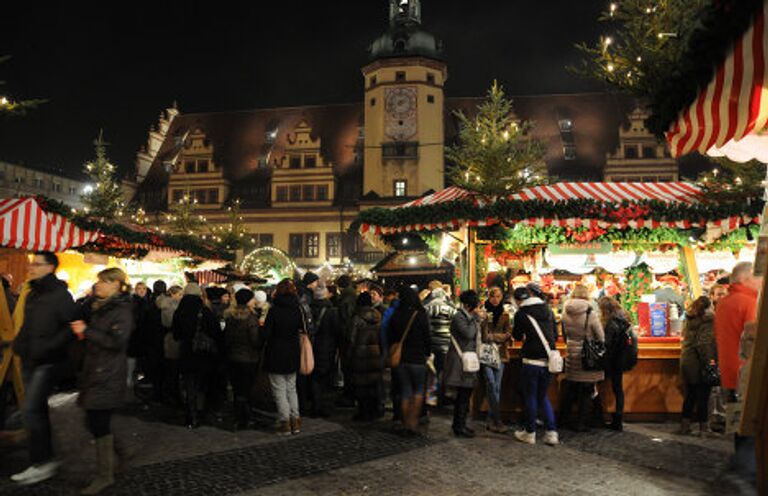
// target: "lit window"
[[312, 245], [401, 188], [333, 245]]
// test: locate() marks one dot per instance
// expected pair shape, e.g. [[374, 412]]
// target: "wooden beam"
[[691, 270], [472, 254]]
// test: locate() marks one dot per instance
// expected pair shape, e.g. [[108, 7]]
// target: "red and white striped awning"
[[609, 193], [681, 192], [730, 116], [206, 277], [25, 225]]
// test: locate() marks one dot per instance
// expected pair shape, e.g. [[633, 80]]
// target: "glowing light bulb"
[[610, 68]]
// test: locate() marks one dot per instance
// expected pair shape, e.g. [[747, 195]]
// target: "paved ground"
[[337, 457]]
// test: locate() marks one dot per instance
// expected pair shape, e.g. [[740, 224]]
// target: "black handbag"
[[592, 351], [710, 374], [202, 343]]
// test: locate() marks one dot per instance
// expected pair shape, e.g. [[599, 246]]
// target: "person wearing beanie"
[[366, 358], [240, 347], [324, 347], [260, 306]]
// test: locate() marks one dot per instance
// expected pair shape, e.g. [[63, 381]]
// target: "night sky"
[[116, 66]]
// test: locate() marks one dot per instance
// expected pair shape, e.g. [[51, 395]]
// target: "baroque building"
[[302, 174]]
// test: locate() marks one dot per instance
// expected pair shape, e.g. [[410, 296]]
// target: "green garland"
[[123, 238], [512, 211], [735, 240], [638, 281]]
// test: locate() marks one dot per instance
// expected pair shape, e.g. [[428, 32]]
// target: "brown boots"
[[105, 466]]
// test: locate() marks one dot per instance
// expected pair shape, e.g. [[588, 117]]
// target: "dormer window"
[[310, 161], [294, 162], [202, 166], [189, 166]]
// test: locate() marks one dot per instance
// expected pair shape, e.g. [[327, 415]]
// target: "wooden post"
[[691, 270], [472, 254]]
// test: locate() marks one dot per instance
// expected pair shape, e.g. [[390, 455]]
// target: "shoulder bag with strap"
[[592, 350], [396, 350], [554, 360], [470, 363], [307, 358], [488, 353]]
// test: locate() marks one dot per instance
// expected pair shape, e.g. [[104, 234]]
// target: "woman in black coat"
[[366, 357], [412, 371], [241, 334], [198, 357], [616, 326], [103, 379], [324, 345], [282, 354]]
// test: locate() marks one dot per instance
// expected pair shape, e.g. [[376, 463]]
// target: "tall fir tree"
[[104, 196], [233, 235], [184, 218], [496, 154]]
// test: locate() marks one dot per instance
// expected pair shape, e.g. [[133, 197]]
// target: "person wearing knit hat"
[[244, 296], [309, 280], [260, 306], [241, 333]]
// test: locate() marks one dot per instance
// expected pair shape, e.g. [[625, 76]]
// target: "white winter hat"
[[261, 296]]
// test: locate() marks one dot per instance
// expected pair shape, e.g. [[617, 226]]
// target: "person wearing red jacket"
[[733, 312]]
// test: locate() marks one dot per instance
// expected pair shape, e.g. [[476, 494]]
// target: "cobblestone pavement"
[[337, 457]]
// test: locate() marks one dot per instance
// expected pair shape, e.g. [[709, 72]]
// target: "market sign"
[[579, 248]]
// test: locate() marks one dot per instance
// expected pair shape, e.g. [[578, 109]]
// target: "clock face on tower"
[[400, 113]]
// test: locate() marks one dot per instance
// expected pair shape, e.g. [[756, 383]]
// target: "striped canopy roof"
[[25, 225], [608, 192], [730, 116]]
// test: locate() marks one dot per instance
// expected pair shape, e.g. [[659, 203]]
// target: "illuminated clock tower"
[[404, 105]]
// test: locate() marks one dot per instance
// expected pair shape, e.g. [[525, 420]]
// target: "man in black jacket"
[[42, 346]]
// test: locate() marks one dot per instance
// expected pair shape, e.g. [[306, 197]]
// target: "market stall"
[[618, 228]]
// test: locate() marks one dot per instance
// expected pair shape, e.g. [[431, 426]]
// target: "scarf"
[[496, 311]]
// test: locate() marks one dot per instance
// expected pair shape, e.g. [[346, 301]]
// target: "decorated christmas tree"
[[9, 106], [183, 217], [103, 197], [495, 155], [232, 236]]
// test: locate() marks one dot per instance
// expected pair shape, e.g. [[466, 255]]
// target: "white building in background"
[[19, 180]]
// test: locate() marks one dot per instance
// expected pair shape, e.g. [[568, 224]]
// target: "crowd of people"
[[200, 349]]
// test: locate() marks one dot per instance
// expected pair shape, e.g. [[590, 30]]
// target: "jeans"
[[38, 383], [413, 378], [535, 382], [284, 392], [493, 389]]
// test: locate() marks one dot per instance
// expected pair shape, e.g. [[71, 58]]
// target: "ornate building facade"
[[302, 174]]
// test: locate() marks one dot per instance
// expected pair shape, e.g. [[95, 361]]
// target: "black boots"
[[616, 424], [460, 411]]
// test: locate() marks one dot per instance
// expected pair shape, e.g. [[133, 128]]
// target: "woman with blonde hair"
[[616, 324], [579, 322], [103, 379]]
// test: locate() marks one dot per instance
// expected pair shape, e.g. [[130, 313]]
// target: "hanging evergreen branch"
[[733, 182], [496, 155], [12, 107], [104, 196]]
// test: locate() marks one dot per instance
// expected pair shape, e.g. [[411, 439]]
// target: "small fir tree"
[[104, 196], [233, 235], [183, 217], [495, 155]]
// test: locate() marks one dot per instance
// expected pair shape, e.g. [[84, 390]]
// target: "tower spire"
[[404, 12]]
